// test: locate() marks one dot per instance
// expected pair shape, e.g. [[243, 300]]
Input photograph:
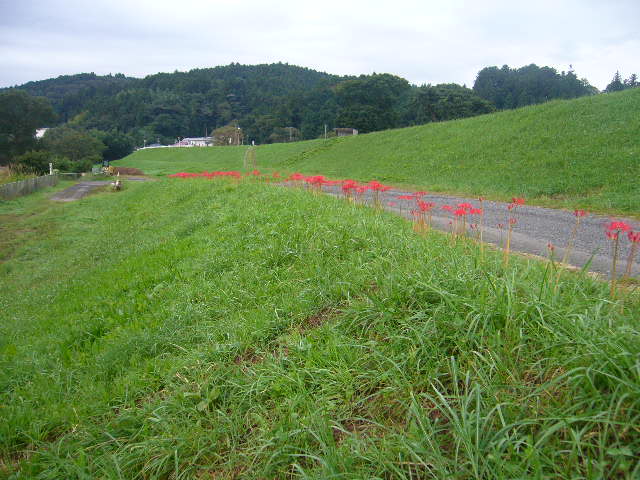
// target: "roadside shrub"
[[15, 172], [35, 161]]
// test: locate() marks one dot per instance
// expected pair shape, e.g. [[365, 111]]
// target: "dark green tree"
[[616, 84], [632, 81], [73, 143], [516, 87], [118, 144], [37, 161], [443, 102], [20, 116], [368, 103]]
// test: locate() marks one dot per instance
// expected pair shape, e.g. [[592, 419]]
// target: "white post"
[[51, 169]]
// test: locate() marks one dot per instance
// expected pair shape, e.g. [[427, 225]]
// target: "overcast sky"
[[424, 41]]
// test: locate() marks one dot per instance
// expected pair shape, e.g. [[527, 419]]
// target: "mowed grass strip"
[[207, 329], [582, 153]]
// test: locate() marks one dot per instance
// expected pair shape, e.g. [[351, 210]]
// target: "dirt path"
[[82, 189], [77, 191], [536, 227]]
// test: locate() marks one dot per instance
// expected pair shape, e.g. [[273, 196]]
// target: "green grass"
[[582, 153], [203, 329]]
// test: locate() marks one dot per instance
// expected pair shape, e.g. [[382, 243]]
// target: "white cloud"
[[423, 41]]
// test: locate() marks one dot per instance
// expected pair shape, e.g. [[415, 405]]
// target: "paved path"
[[82, 189], [77, 191], [536, 228]]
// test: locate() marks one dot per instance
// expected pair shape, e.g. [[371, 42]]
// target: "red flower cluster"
[[296, 177], [460, 212], [425, 206], [232, 173], [614, 228]]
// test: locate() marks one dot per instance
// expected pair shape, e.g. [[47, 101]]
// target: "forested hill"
[[231, 88], [280, 102], [70, 94]]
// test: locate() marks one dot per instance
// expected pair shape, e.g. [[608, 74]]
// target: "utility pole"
[[325, 131]]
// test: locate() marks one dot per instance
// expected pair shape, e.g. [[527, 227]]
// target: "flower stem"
[[613, 268], [508, 246], [632, 254]]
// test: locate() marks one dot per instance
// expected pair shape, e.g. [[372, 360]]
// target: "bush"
[[37, 161], [64, 164]]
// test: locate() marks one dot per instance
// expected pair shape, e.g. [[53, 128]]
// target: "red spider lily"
[[360, 189], [405, 197], [634, 238], [332, 182], [391, 204], [314, 179], [613, 232], [420, 194], [256, 173], [515, 202], [425, 206], [460, 212], [501, 226], [448, 208], [465, 205], [376, 186], [206, 174], [476, 211], [550, 247], [572, 238], [296, 177], [619, 226], [348, 185]]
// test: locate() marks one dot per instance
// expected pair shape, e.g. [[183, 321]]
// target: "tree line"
[[270, 103]]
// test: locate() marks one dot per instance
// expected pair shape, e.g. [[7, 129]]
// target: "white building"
[[194, 142], [40, 132]]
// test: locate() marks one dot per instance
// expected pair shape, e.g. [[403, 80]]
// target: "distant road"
[[536, 227]]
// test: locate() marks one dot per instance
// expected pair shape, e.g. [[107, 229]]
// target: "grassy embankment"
[[203, 329], [582, 153]]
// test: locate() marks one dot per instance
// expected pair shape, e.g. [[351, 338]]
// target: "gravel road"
[[77, 191], [536, 227], [82, 189]]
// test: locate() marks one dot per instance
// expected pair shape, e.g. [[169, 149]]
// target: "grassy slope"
[[195, 328], [580, 153]]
